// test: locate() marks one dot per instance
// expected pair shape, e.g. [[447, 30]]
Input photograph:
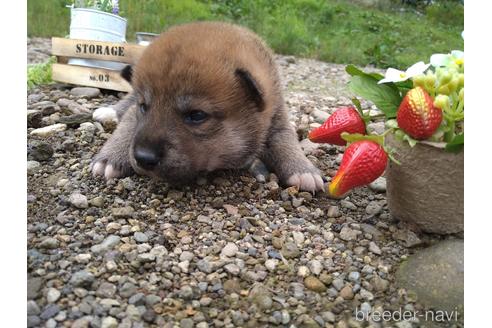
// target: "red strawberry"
[[417, 115], [362, 163], [345, 119]]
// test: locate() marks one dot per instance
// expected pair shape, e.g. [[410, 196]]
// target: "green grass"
[[334, 30], [38, 74]]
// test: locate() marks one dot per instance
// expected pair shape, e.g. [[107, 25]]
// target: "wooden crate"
[[102, 78]]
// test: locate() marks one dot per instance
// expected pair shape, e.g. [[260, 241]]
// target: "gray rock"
[[51, 323], [378, 185], [260, 296], [348, 205], [379, 284], [229, 250], [370, 229], [123, 212], [290, 250], [82, 279], [75, 120], [348, 234], [315, 266], [152, 299], [298, 237], [106, 244], [232, 269], [33, 321], [333, 212], [374, 248], [373, 208], [34, 98], [97, 201], [127, 290], [34, 119], [175, 194], [33, 167], [78, 200], [140, 237], [109, 322], [366, 295], [186, 323], [81, 322], [137, 299], [407, 237], [106, 290], [32, 308], [146, 257], [49, 311], [52, 295], [40, 150], [204, 265], [319, 115], [186, 256], [85, 92], [186, 292], [376, 128], [34, 287], [354, 276], [435, 275], [297, 290], [338, 283], [328, 316], [46, 107], [49, 243], [365, 308]]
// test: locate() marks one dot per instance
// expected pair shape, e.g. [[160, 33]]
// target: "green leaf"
[[391, 124], [386, 98], [357, 105], [353, 137], [402, 136], [456, 144], [354, 71]]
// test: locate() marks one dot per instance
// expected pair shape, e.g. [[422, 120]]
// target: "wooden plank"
[[119, 52], [90, 77]]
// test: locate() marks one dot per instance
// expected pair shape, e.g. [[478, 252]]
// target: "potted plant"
[[423, 111], [97, 20]]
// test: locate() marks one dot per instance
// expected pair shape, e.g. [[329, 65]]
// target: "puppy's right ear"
[[127, 73]]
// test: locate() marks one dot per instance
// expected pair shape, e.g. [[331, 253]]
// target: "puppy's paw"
[[105, 115], [307, 181], [110, 166]]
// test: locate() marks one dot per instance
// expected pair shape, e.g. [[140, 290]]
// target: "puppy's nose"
[[146, 158]]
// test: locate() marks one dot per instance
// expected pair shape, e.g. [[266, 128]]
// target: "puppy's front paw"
[[308, 181], [110, 166], [105, 115]]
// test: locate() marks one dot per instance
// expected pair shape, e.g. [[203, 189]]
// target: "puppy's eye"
[[143, 108], [195, 117]]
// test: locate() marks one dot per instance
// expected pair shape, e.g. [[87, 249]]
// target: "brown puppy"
[[206, 96]]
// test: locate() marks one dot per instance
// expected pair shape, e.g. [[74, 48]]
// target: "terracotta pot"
[[426, 190]]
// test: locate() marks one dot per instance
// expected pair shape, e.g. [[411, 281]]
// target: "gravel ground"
[[229, 251]]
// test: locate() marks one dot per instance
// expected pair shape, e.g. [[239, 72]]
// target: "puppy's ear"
[[251, 87], [127, 73]]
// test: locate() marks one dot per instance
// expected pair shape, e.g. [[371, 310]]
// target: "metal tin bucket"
[[90, 24], [145, 38]]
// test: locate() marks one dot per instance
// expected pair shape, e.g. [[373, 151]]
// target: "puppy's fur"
[[228, 75]]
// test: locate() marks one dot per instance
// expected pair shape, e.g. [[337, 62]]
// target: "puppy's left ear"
[[127, 73], [252, 88]]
